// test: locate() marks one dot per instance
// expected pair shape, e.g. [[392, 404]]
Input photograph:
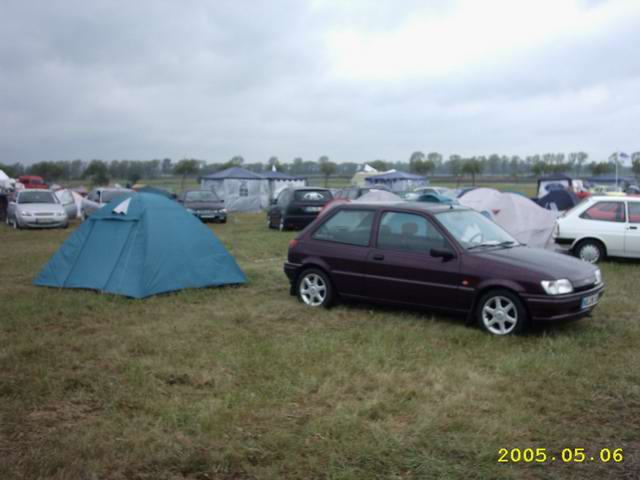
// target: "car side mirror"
[[444, 254], [221, 201], [273, 201]]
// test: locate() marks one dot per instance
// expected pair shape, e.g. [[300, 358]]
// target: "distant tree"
[[98, 172], [236, 160], [167, 166], [455, 167], [48, 170], [635, 164], [539, 168], [327, 168], [601, 168], [379, 165], [273, 161], [297, 166], [473, 167], [13, 171], [186, 167], [436, 158]]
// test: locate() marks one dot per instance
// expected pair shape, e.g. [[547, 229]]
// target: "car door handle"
[[633, 227], [378, 257]]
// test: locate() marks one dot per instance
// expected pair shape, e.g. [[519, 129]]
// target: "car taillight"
[[292, 244]]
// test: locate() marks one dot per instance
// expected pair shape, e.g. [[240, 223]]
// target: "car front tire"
[[501, 312], [314, 288], [281, 225], [590, 251]]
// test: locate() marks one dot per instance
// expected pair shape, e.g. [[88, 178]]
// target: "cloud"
[[354, 80]]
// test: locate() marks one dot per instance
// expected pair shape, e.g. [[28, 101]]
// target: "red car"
[[440, 257], [32, 182]]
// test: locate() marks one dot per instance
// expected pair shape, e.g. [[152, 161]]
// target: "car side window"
[[634, 212], [347, 226], [409, 232], [605, 212], [352, 194]]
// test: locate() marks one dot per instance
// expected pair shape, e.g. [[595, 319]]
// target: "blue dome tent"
[[141, 246]]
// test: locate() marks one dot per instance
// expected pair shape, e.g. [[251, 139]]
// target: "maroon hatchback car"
[[444, 258]]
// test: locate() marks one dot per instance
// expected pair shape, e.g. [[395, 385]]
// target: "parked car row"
[[36, 208]]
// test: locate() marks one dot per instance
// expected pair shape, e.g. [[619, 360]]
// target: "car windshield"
[[312, 195], [108, 195], [472, 229], [201, 196], [36, 197]]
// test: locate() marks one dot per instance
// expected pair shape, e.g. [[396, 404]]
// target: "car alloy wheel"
[[501, 313], [15, 224], [590, 252], [314, 288]]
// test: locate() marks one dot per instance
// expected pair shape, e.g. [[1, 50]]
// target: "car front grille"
[[44, 214]]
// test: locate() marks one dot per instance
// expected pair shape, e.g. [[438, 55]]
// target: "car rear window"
[[201, 196], [319, 196], [347, 226]]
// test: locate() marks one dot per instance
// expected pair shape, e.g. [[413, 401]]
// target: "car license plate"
[[44, 220], [589, 301], [312, 209]]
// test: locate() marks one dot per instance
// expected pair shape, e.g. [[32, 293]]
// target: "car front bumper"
[[211, 216], [561, 307], [39, 222]]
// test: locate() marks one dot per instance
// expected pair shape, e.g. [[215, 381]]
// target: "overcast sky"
[[356, 80]]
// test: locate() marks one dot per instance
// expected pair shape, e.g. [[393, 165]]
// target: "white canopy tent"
[[241, 190], [525, 220]]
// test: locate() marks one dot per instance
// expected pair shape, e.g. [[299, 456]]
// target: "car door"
[[401, 267], [280, 206], [606, 219], [343, 241], [632, 233]]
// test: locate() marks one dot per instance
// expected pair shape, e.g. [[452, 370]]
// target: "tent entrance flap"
[[93, 267]]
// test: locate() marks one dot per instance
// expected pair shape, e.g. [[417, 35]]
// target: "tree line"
[[101, 171]]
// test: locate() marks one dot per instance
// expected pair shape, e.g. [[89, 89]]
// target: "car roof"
[[614, 198], [432, 208], [35, 190], [114, 189]]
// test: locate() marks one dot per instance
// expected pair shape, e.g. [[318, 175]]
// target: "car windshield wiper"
[[493, 243]]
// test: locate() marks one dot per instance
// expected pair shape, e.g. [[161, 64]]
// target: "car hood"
[[549, 265], [41, 207], [204, 205]]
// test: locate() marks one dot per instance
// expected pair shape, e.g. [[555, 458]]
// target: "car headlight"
[[191, 210], [598, 275], [557, 287], [223, 210], [60, 214], [24, 213]]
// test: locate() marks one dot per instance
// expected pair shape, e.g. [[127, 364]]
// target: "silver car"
[[36, 209], [99, 197]]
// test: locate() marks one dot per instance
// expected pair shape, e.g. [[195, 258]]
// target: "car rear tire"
[[501, 312], [314, 288], [590, 251]]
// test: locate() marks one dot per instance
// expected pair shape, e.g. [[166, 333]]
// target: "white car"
[[601, 226]]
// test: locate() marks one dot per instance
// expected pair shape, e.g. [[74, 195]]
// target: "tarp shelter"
[[241, 190], [138, 247], [528, 222], [5, 181], [373, 196], [397, 181], [545, 183], [278, 181], [558, 200]]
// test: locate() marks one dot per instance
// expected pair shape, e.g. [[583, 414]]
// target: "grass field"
[[244, 382]]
